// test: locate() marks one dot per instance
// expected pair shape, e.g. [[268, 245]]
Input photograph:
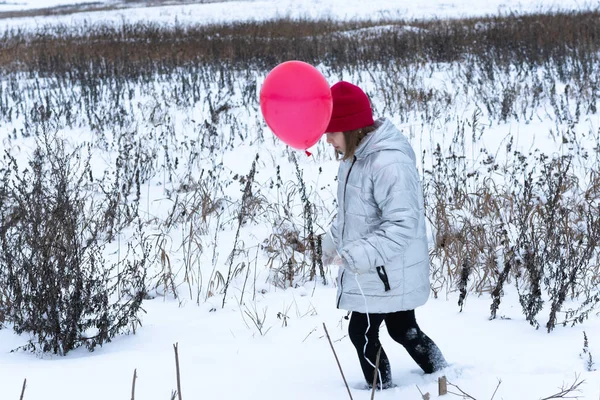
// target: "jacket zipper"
[[344, 228]]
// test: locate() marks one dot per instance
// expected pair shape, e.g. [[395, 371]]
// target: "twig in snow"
[[338, 361], [493, 395], [309, 333], [175, 346], [565, 392], [442, 386], [425, 396], [23, 390], [340, 339], [463, 393], [375, 374], [133, 384], [241, 217]]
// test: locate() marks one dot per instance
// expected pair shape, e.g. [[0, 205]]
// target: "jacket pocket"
[[384, 278]]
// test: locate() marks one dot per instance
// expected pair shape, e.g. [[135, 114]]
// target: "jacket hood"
[[386, 137]]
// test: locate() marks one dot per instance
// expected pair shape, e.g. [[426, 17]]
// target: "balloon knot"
[[308, 153]]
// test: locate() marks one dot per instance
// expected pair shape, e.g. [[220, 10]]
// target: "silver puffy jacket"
[[380, 230]]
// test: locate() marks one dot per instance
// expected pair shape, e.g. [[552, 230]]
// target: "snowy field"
[[221, 358], [18, 5], [222, 353], [213, 12]]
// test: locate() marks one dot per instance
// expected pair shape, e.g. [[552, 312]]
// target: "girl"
[[378, 237]]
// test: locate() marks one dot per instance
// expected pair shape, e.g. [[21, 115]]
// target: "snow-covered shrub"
[[57, 287]]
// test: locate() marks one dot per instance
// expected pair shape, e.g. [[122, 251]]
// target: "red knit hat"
[[351, 108]]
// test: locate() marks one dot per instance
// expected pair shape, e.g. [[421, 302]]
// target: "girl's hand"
[[332, 259]]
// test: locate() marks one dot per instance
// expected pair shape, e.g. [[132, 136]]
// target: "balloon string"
[[368, 328], [368, 317]]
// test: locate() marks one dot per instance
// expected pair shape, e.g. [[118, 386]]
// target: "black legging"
[[402, 327]]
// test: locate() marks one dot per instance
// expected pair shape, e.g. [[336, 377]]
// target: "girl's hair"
[[353, 139]]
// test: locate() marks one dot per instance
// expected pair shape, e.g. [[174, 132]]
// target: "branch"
[[133, 384], [564, 392], [425, 396], [175, 346], [493, 395], [338, 361], [463, 393], [23, 390], [375, 374]]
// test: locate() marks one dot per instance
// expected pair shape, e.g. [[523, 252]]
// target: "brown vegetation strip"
[[145, 48]]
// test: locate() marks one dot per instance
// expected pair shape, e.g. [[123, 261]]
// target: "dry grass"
[[489, 232], [145, 48]]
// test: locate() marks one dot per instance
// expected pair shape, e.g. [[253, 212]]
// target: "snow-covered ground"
[[17, 5], [222, 353], [269, 9], [220, 358]]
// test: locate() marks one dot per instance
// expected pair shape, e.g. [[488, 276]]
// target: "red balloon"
[[295, 101]]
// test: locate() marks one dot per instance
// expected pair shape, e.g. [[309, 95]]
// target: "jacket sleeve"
[[330, 240], [397, 192]]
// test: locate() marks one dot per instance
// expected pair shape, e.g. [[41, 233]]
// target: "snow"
[[16, 5], [221, 358], [224, 356], [268, 9]]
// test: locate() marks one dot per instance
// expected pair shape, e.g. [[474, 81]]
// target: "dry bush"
[[488, 232], [147, 48], [57, 287], [538, 226]]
